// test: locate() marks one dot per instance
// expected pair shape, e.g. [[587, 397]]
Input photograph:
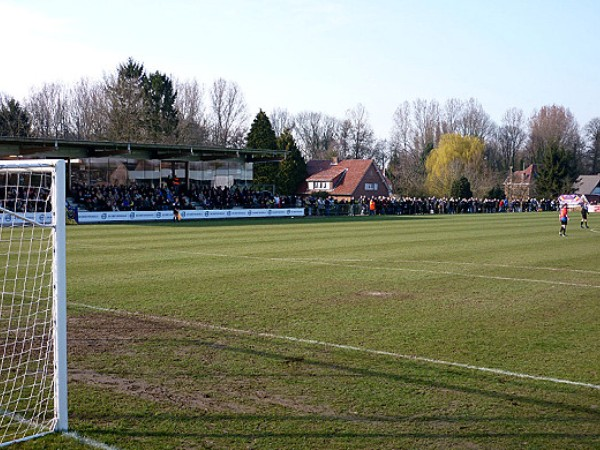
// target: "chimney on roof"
[[334, 161]]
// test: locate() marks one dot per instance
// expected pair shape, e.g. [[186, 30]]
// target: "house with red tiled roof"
[[521, 183], [346, 179]]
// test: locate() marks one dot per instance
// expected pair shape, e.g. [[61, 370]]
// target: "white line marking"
[[400, 269], [87, 441], [342, 347], [509, 266], [357, 260], [454, 263]]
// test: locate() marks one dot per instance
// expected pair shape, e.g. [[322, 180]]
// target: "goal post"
[[33, 342]]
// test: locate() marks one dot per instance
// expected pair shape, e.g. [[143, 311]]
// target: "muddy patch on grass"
[[158, 393], [125, 354], [110, 336]]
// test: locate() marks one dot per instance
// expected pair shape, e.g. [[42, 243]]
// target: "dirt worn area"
[[114, 338], [115, 334], [108, 326]]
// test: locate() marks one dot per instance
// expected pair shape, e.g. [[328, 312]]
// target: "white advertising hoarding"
[[192, 214]]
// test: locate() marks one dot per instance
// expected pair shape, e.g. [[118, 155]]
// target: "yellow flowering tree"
[[456, 156]]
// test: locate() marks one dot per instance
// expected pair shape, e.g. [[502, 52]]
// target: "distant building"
[[588, 185], [346, 179], [521, 184]]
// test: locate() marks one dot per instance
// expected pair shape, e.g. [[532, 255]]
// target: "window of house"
[[371, 186], [320, 185]]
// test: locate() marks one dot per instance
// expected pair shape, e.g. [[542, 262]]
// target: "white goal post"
[[33, 364]]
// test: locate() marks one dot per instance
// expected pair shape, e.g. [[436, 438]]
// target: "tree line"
[[431, 146], [131, 105]]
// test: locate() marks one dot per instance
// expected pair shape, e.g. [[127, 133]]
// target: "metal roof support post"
[[186, 182]]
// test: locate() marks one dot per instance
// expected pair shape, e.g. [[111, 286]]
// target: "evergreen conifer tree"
[[292, 170], [128, 105], [262, 137], [556, 173], [14, 120], [461, 188], [261, 134], [162, 113]]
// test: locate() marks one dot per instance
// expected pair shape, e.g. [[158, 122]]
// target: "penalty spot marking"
[[422, 359]]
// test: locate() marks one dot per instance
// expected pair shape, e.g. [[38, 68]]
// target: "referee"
[[584, 215]]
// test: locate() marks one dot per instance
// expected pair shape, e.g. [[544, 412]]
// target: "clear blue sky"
[[322, 55]]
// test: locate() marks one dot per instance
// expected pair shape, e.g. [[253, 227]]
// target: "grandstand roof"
[[11, 147]]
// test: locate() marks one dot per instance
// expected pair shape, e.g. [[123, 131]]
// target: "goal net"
[[33, 394]]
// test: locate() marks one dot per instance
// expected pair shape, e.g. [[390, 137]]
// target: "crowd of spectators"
[[426, 205], [25, 199], [135, 197]]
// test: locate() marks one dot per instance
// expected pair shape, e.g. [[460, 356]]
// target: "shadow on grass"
[[300, 426], [411, 380], [462, 425]]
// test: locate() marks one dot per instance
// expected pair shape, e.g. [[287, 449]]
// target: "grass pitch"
[[335, 334]]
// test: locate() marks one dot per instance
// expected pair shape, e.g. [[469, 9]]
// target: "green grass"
[[171, 367]]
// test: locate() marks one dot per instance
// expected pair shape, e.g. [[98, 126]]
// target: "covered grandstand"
[[122, 163]]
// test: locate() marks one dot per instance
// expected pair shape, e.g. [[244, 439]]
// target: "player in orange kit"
[[564, 220]]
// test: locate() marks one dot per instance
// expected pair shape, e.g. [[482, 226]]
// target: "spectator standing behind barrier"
[[321, 206], [372, 207]]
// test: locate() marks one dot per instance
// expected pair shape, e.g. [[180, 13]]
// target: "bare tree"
[[282, 120], [511, 137], [402, 131], [88, 110], [452, 116], [553, 126], [316, 135], [592, 132], [407, 146], [228, 114], [474, 121], [357, 138], [426, 122], [330, 132], [380, 153], [193, 127], [406, 173], [48, 109]]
